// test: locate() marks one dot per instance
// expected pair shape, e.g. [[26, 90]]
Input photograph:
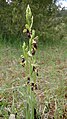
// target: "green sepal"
[[33, 34], [25, 30], [27, 27]]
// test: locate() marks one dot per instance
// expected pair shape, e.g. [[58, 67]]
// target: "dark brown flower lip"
[[28, 80], [34, 68], [29, 33], [23, 64], [33, 51], [32, 88], [32, 84], [34, 44], [23, 59], [35, 86], [37, 73]]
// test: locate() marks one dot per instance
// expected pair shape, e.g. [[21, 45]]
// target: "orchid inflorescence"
[[28, 59]]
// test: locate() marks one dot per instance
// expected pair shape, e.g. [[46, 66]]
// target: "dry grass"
[[52, 60]]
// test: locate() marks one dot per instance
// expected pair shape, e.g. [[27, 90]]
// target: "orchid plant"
[[29, 63]]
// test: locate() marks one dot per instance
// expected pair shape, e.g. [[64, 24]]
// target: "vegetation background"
[[49, 21]]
